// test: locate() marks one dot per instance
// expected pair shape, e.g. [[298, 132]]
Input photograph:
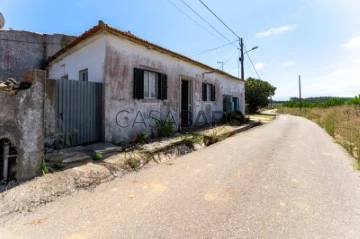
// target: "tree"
[[257, 93]]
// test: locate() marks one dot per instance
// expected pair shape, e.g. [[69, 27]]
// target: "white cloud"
[[353, 43], [289, 63], [276, 31], [340, 82], [260, 65]]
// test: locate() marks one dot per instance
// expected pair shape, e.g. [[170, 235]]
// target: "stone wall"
[[22, 51], [21, 122]]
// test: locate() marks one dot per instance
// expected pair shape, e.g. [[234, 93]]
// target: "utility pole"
[[222, 65], [242, 58], [300, 88]]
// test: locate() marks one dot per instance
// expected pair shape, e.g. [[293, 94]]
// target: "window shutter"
[[204, 92], [162, 87], [138, 84], [212, 93]]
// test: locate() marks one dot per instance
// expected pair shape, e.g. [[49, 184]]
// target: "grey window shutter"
[[162, 87], [138, 83], [212, 93], [204, 92]]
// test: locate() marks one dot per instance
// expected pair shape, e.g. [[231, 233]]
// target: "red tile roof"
[[127, 35]]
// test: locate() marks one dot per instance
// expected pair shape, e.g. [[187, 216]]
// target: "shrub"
[[354, 101], [98, 156], [166, 129], [235, 118], [141, 138]]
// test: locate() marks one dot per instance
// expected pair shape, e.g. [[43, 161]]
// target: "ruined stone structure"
[[22, 51], [22, 129]]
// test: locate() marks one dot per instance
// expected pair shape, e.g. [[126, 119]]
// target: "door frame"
[[191, 99]]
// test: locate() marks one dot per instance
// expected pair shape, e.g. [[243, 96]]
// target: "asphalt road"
[[287, 179]]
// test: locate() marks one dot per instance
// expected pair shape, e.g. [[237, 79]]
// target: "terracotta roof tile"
[[131, 37]]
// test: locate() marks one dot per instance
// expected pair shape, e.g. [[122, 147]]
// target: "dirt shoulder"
[[41, 190]]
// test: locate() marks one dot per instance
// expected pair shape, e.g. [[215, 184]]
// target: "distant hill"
[[320, 99]]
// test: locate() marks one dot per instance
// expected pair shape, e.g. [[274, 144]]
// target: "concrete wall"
[[22, 51], [113, 60], [21, 122], [49, 109]]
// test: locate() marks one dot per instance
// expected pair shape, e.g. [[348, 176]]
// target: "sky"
[[317, 39]]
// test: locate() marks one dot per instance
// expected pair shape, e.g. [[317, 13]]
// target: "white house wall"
[[125, 117], [90, 55]]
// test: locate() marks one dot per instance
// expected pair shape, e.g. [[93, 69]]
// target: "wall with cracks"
[[22, 51], [22, 124]]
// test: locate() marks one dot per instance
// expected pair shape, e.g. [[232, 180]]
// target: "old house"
[[143, 83]]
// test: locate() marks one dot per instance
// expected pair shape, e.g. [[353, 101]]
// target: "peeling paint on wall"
[[116, 60]]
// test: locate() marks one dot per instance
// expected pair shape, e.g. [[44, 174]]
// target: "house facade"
[[144, 83]]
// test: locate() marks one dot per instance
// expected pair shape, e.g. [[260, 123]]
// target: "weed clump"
[[98, 156], [141, 138], [166, 129]]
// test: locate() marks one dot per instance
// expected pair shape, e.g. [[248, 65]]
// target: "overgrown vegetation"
[[133, 163], [166, 128], [235, 118], [257, 94], [342, 121], [141, 138], [65, 139], [318, 103], [98, 156], [44, 167], [216, 135]]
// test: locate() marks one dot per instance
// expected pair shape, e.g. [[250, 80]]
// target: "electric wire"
[[208, 50], [193, 20], [205, 20], [219, 19]]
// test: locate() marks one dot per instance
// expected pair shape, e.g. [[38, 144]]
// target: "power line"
[[219, 18], [225, 62], [209, 50], [205, 20], [252, 63], [195, 21]]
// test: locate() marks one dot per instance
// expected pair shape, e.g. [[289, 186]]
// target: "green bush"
[[354, 101], [234, 118], [141, 138], [166, 129], [306, 104], [98, 156]]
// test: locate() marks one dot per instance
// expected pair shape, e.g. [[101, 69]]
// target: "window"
[[151, 81], [83, 75], [208, 91], [236, 106], [149, 85]]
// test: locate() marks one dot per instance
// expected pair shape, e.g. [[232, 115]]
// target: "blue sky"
[[319, 39]]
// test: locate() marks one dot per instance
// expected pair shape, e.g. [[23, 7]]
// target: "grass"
[[44, 168], [98, 156], [341, 122]]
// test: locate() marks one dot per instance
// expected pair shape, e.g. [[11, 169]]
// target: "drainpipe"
[[6, 149]]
